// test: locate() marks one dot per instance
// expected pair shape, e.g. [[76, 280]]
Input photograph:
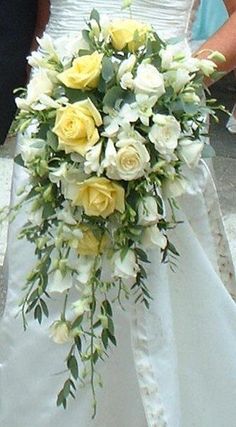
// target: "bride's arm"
[[224, 40], [43, 13]]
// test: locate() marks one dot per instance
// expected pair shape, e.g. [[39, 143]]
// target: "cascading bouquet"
[[110, 119]]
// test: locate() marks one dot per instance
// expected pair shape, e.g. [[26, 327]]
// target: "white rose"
[[148, 211], [174, 187], [131, 160], [60, 332], [190, 152], [126, 267], [149, 80], [165, 133], [153, 237]]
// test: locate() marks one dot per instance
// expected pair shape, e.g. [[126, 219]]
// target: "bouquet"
[[110, 120]]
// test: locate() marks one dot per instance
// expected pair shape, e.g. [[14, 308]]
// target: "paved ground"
[[224, 164]]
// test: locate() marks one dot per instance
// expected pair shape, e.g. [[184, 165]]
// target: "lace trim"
[[149, 390], [224, 258]]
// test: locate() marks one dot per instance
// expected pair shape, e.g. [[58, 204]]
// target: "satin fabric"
[[174, 365]]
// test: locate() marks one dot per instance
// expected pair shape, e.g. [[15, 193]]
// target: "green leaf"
[[172, 249], [61, 401], [107, 69], [113, 95], [52, 140], [86, 36], [107, 307], [38, 314], [48, 210], [112, 338], [77, 322], [66, 388], [78, 343], [95, 15], [44, 308], [73, 367], [142, 255], [19, 161], [105, 338]]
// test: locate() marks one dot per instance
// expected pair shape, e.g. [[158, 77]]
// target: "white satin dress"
[[175, 365]]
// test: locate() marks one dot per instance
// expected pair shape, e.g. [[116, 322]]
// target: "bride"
[[175, 365]]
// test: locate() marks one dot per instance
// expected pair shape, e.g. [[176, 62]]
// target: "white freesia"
[[153, 237], [57, 174], [177, 78], [125, 267], [164, 134], [190, 97], [35, 217], [110, 154], [127, 81], [46, 102], [68, 46], [65, 214], [60, 281], [126, 66], [32, 148], [60, 332], [47, 45], [170, 56], [84, 269], [92, 160], [81, 306], [207, 66], [128, 131], [141, 109], [148, 80], [131, 160], [190, 151], [174, 187], [40, 84], [148, 211]]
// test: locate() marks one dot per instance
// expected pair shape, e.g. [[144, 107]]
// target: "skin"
[[224, 40]]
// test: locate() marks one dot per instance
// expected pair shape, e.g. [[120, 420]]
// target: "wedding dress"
[[175, 365]]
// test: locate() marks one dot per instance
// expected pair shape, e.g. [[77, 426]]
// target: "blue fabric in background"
[[210, 16]]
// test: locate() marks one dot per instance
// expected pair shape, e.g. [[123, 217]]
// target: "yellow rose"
[[76, 127], [89, 244], [84, 73], [100, 197], [128, 33]]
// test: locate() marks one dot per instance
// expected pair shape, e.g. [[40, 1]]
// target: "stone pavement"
[[224, 165]]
